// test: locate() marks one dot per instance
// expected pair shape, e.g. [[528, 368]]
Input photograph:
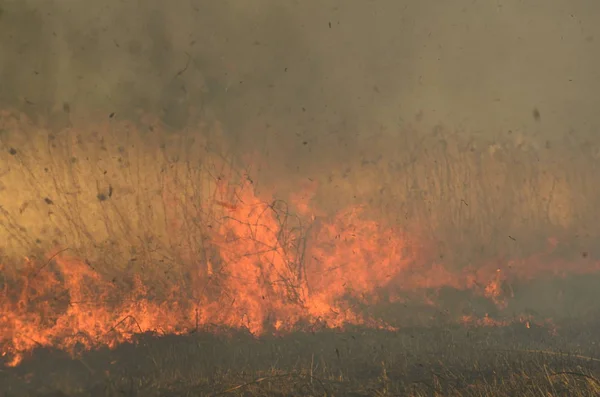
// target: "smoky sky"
[[306, 81]]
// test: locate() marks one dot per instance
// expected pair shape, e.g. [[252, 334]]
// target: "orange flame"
[[269, 273]]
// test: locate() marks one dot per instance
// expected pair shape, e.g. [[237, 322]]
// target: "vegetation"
[[108, 190], [135, 201], [437, 361]]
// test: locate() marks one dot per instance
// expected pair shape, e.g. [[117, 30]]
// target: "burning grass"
[[119, 231]]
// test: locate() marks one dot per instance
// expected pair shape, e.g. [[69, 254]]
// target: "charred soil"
[[422, 361]]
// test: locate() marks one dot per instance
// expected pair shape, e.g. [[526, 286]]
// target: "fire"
[[249, 262], [267, 276], [260, 281]]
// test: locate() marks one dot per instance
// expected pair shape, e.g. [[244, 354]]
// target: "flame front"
[[218, 256], [266, 275], [260, 279]]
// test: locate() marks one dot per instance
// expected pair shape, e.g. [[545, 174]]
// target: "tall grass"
[[477, 198], [123, 196]]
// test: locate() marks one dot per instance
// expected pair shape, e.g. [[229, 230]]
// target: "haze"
[[202, 169], [279, 73]]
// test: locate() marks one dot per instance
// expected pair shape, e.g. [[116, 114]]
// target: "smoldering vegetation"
[[447, 361], [470, 126]]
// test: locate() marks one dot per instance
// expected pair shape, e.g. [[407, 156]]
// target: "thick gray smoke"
[[309, 78]]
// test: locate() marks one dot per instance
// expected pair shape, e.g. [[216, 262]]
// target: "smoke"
[[265, 70], [324, 72], [327, 87], [469, 125]]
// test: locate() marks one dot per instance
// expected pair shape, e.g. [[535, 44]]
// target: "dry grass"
[[470, 195], [118, 190], [114, 195], [137, 200]]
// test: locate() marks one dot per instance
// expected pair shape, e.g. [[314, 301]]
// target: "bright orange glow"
[[266, 275]]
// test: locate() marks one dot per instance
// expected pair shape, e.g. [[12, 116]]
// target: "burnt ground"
[[444, 360]]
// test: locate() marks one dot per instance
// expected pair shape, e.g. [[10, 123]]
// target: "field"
[[457, 290], [325, 198], [422, 361]]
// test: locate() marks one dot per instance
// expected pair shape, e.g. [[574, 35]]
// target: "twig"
[[114, 327], [259, 380], [48, 262], [187, 64], [548, 352], [256, 381], [590, 377]]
